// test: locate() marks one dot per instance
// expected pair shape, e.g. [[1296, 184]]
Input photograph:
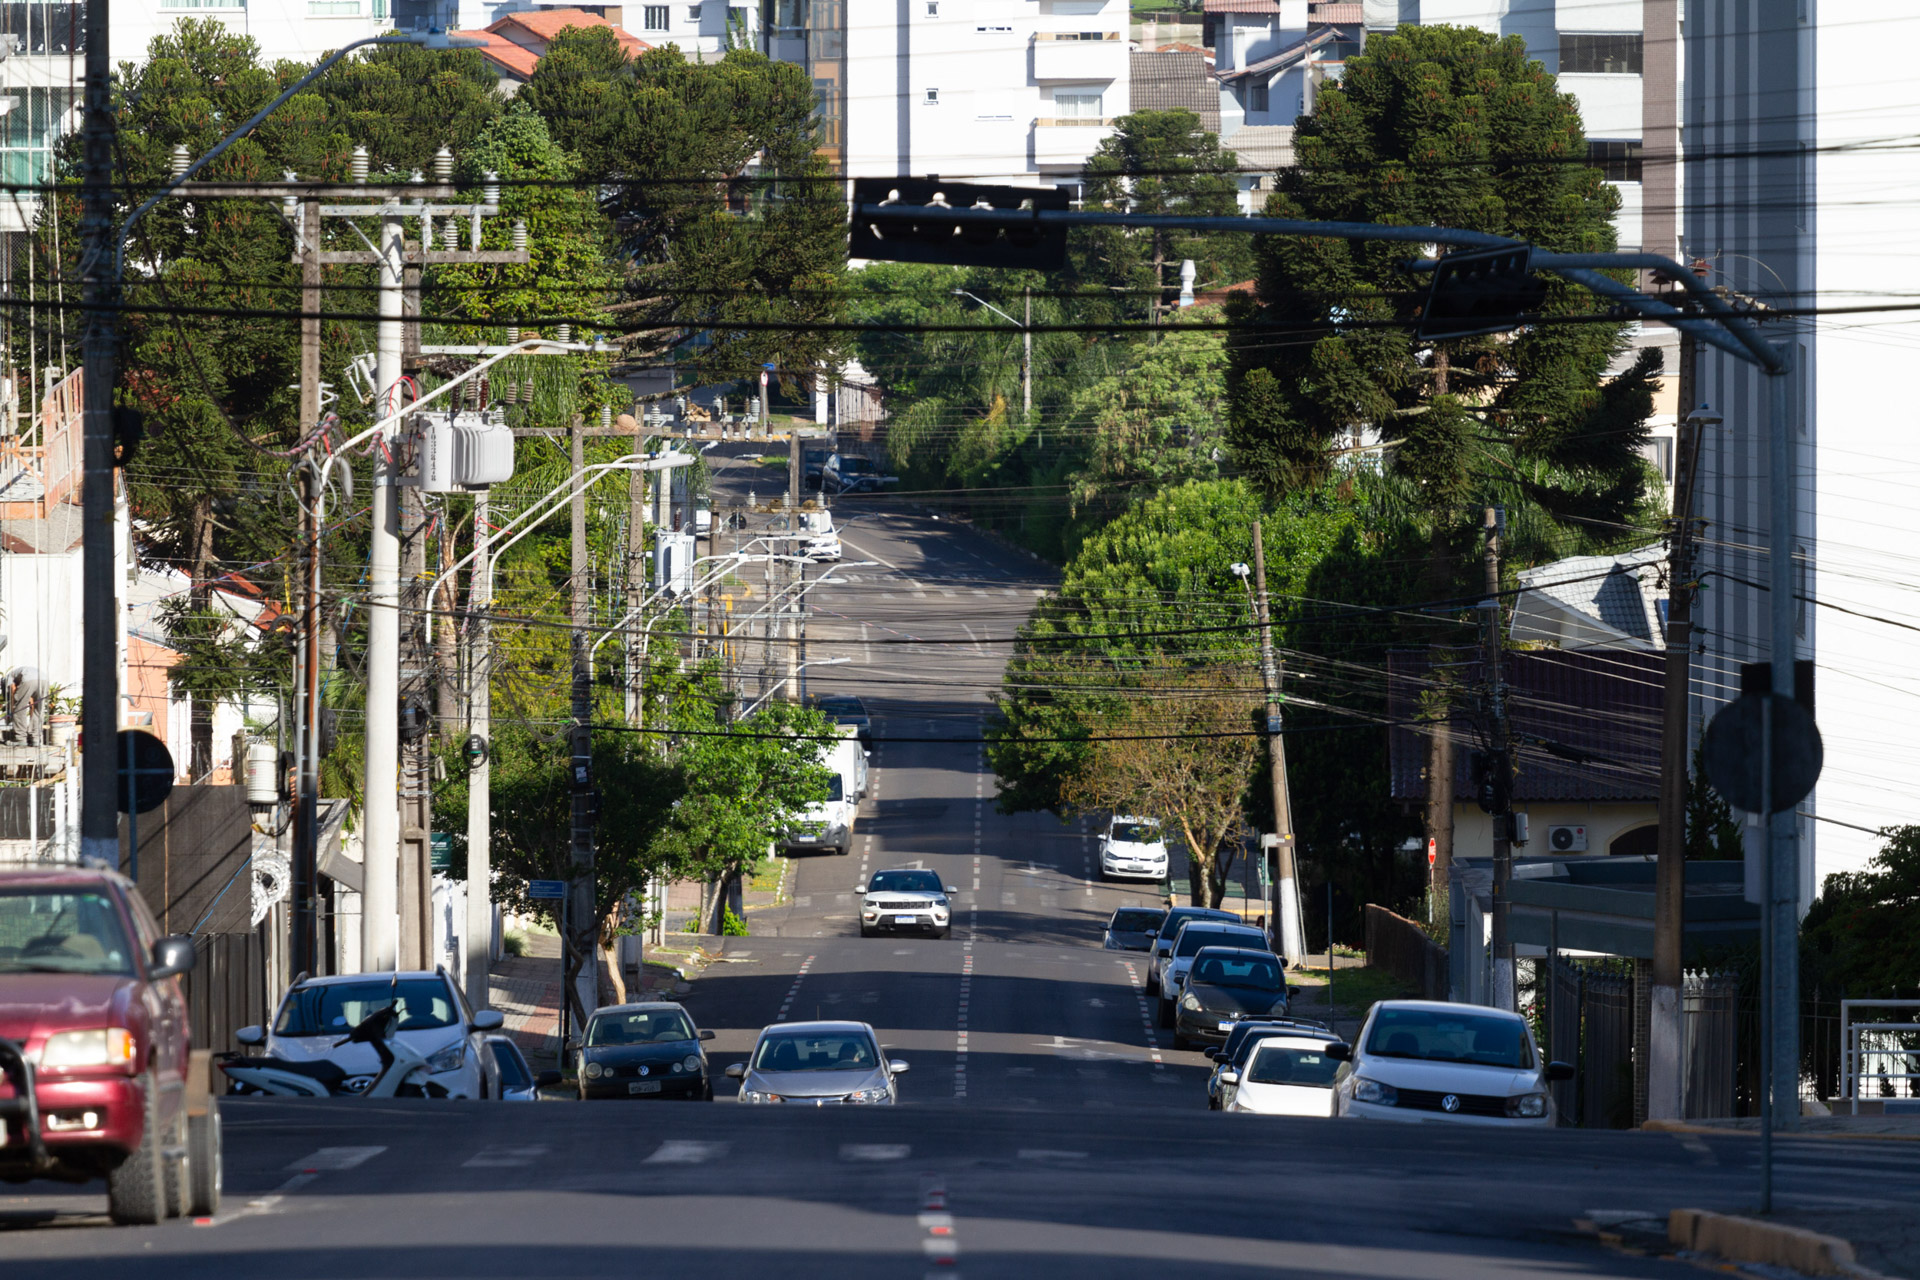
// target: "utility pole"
[[479, 957], [379, 893], [1501, 760], [1665, 1094], [306, 828], [100, 614], [1026, 358], [582, 991], [636, 579], [1289, 932]]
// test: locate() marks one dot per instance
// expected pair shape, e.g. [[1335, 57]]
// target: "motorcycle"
[[322, 1078]]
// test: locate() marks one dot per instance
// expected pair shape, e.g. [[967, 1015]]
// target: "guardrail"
[[1856, 1057]]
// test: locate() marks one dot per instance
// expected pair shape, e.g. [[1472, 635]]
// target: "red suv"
[[97, 1076]]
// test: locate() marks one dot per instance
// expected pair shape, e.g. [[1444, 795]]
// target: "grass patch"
[[514, 944], [1356, 988], [767, 876]]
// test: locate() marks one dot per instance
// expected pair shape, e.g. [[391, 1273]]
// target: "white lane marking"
[[682, 1151], [794, 990], [875, 1151], [333, 1159], [1147, 1019], [505, 1157], [960, 1040]]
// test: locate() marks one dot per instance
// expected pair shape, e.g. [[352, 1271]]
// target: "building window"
[[693, 13], [654, 17], [29, 132], [826, 98], [933, 97], [45, 28], [1608, 55], [1617, 161], [335, 8], [166, 5], [1257, 96], [1081, 35], [933, 8], [1076, 106]]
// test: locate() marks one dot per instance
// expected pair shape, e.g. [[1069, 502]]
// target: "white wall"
[[1868, 530], [977, 56], [282, 28]]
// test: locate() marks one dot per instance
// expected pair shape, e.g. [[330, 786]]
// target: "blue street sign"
[[546, 888]]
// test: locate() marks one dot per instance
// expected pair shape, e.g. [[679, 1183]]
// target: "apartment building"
[[1010, 91], [1800, 192]]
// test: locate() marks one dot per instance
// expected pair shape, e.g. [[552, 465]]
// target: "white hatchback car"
[[1290, 1074], [1133, 849], [434, 1020], [1427, 1060]]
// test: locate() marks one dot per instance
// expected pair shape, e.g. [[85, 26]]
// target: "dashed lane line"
[[794, 990]]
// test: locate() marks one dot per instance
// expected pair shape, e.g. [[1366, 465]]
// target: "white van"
[[818, 540], [829, 823]]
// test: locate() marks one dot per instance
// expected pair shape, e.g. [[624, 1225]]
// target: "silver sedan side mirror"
[[737, 1071], [897, 1067]]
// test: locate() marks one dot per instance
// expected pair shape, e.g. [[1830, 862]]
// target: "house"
[[514, 45], [1585, 728], [1594, 602]]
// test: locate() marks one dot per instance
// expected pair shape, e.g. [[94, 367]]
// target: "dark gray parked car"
[[1132, 928]]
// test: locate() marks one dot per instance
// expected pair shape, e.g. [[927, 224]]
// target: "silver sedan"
[[819, 1064]]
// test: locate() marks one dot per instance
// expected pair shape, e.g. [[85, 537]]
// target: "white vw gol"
[[1453, 1063]]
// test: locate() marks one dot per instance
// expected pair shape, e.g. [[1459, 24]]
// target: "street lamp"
[[1026, 344], [781, 683]]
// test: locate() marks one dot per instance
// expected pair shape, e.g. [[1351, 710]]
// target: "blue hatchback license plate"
[[644, 1086]]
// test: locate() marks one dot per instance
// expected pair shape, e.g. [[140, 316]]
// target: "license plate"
[[906, 919], [1226, 1026], [644, 1086]]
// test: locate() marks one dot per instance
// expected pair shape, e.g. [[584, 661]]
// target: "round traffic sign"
[[146, 771], [1731, 752]]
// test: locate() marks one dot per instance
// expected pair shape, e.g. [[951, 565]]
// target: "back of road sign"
[[1731, 752]]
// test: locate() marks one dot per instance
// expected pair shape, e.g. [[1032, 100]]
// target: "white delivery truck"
[[828, 824]]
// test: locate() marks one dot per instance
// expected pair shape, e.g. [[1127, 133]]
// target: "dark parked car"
[[1170, 928], [642, 1051], [1225, 985], [848, 710], [95, 1047], [1132, 928]]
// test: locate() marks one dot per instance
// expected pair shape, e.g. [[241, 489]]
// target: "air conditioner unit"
[[1567, 839]]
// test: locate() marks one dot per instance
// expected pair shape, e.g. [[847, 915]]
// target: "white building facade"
[[1009, 91]]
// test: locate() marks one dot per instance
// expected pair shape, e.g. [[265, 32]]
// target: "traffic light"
[[1481, 291], [1492, 780], [904, 234]]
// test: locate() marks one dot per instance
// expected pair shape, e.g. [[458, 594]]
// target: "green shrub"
[[732, 926]]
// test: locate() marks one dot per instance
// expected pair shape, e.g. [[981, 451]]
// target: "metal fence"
[[227, 988], [1402, 948], [1709, 1005]]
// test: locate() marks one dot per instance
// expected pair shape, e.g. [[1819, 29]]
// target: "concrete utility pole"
[[1289, 932], [1026, 358], [305, 950], [100, 614], [1665, 1089], [478, 961], [379, 893], [582, 992], [1500, 755]]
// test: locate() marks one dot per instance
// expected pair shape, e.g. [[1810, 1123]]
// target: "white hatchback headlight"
[[451, 1058], [868, 1095], [1527, 1106], [1384, 1095]]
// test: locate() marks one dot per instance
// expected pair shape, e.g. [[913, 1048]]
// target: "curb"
[[1715, 1131], [1767, 1243]]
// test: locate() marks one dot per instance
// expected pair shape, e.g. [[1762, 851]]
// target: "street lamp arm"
[[989, 306], [782, 682]]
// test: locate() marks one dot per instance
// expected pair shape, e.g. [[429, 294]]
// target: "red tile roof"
[[517, 42], [1340, 14], [1242, 6]]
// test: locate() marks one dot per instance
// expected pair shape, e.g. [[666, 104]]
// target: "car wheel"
[[1153, 981], [175, 1171], [706, 1094], [205, 1161], [136, 1190], [1166, 1014], [865, 932], [945, 933]]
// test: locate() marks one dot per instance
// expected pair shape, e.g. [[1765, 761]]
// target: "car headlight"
[[691, 1062], [1527, 1106], [1383, 1095], [754, 1095], [593, 1071], [451, 1058], [106, 1047], [867, 1095], [1190, 1001]]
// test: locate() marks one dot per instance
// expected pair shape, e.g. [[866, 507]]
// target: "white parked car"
[[1133, 849], [1426, 1060], [1287, 1074], [434, 1020]]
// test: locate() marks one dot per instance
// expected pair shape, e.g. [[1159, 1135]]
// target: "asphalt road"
[[1047, 1126]]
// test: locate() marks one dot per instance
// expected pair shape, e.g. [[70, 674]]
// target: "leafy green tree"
[[403, 103], [1451, 127], [1156, 162], [730, 217], [1861, 938]]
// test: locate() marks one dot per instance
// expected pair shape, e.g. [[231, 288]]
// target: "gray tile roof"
[[1587, 601], [1168, 81]]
